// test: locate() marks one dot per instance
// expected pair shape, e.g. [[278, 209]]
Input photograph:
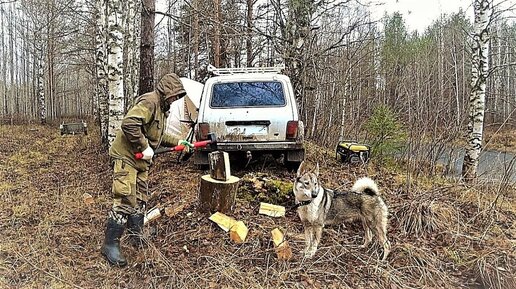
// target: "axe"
[[212, 141]]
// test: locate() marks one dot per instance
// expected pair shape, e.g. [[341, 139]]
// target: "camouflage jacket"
[[144, 124]]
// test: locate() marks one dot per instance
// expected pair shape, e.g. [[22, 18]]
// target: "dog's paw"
[[309, 253]]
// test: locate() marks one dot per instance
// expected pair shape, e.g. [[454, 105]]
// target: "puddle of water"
[[492, 165]]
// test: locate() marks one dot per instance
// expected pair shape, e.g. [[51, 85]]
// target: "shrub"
[[386, 132]]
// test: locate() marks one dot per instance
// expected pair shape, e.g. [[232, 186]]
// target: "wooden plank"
[[224, 222], [151, 215], [238, 232], [277, 237], [172, 211], [271, 210]]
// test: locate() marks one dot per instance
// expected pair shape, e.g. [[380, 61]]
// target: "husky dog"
[[318, 207]]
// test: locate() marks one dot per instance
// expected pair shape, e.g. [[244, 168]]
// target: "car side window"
[[245, 94]]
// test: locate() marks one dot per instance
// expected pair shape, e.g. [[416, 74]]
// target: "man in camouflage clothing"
[[142, 130]]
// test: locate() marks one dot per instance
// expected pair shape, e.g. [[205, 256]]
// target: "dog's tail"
[[366, 186]]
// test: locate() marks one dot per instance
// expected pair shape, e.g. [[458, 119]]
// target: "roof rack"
[[243, 70]]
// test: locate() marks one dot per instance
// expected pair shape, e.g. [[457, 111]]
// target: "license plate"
[[248, 130]]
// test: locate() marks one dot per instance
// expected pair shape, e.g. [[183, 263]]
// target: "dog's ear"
[[317, 169], [302, 168]]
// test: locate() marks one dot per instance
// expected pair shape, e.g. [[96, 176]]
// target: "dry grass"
[[501, 138], [445, 236], [418, 218]]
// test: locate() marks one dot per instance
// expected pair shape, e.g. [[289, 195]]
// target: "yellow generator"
[[352, 152]]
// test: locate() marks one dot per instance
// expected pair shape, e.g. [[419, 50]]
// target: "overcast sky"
[[419, 14]]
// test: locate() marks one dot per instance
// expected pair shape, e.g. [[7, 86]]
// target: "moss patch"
[[264, 188]]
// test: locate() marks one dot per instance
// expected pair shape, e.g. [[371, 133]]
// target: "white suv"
[[251, 111]]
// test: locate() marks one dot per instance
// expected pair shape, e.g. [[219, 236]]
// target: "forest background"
[[348, 63], [354, 77]]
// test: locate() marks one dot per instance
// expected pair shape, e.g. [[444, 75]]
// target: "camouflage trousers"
[[130, 189]]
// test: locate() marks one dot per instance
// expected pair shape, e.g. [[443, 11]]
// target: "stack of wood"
[[217, 191]]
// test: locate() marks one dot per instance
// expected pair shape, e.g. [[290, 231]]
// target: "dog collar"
[[300, 204]]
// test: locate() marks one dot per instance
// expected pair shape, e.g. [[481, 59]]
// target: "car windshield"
[[239, 94]]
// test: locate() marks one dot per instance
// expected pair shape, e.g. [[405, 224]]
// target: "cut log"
[[283, 250], [88, 199], [238, 232], [271, 210], [277, 237], [219, 165], [151, 215], [215, 195], [224, 222], [172, 211]]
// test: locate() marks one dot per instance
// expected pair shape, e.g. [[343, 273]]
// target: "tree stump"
[[216, 195]]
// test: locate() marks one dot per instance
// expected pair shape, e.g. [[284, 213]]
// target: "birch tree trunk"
[[26, 60], [51, 60], [41, 91], [115, 67], [11, 61], [102, 95], [16, 75], [479, 73], [3, 65]]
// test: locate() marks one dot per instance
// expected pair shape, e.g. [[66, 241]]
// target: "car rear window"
[[238, 94]]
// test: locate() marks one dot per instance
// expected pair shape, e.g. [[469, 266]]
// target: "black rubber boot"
[[111, 246], [135, 230]]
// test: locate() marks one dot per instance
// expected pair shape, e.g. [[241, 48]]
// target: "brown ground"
[[443, 235]]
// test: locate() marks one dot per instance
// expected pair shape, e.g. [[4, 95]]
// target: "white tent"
[[185, 109]]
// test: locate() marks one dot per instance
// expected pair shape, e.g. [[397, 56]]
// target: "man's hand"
[[148, 153], [186, 144]]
